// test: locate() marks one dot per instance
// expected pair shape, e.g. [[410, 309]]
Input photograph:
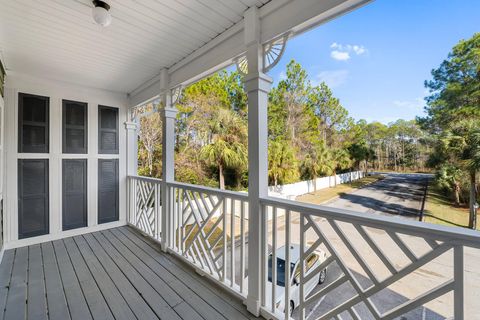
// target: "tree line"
[[311, 134]]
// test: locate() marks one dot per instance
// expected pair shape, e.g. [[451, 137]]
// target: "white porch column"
[[132, 165], [257, 86], [132, 147], [168, 114]]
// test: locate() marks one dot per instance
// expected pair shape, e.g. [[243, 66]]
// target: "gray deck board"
[[17, 294], [73, 292], [37, 303], [114, 298], [111, 274], [56, 301], [202, 307], [95, 300], [223, 302], [5, 276]]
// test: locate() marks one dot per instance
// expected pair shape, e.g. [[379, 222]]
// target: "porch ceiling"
[[58, 38]]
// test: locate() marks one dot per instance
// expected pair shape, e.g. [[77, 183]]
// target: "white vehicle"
[[312, 262]]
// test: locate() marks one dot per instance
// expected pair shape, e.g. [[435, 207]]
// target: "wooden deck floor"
[[113, 274]]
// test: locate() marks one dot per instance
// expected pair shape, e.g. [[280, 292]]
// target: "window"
[[280, 270], [33, 123], [74, 127], [107, 130]]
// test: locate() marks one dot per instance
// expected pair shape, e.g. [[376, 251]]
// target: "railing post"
[[168, 115], [132, 146], [257, 86], [458, 270]]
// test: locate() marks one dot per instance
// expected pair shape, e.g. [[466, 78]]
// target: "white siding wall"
[[57, 91]]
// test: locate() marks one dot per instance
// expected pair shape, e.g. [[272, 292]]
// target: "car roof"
[[294, 253]]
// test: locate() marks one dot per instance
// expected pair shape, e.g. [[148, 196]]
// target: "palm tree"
[[342, 160], [227, 148], [472, 155], [282, 164], [462, 142], [318, 161]]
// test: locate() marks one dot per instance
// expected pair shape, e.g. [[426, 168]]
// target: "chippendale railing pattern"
[[209, 231], [146, 204], [371, 254], [373, 263]]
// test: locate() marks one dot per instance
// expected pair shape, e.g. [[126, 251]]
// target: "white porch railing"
[[369, 255], [370, 260], [209, 230], [145, 205]]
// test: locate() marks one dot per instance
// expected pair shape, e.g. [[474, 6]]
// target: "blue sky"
[[376, 58]]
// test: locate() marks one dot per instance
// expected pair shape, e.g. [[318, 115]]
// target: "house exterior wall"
[[57, 91]]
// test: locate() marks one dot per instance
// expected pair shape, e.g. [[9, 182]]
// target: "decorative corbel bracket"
[[272, 53], [176, 94]]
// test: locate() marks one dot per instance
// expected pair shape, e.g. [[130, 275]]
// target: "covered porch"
[[85, 237], [111, 274]]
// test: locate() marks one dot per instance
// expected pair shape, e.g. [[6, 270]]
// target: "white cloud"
[[282, 75], [333, 78], [339, 55], [359, 50], [342, 52]]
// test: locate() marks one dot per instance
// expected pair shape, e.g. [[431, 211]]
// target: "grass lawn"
[[323, 195], [439, 210]]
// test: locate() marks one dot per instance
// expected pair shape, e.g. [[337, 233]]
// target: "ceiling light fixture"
[[100, 13]]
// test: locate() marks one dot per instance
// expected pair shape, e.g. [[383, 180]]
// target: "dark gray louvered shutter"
[[32, 197], [107, 190], [33, 123], [74, 198], [107, 130], [74, 127]]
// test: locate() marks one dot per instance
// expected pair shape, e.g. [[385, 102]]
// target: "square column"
[[132, 165], [168, 115], [257, 86]]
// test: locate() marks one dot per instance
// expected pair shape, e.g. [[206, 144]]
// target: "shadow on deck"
[[112, 274]]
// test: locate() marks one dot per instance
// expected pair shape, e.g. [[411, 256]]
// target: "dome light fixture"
[[100, 13]]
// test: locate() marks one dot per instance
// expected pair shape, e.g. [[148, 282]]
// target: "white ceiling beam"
[[277, 17]]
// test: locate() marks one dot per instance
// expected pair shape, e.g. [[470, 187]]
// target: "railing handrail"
[[465, 237], [229, 194], [148, 179]]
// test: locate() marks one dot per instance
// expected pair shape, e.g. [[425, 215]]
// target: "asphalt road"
[[398, 195]]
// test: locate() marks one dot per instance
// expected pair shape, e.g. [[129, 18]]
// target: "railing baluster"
[[274, 258], [242, 246], [232, 242], [301, 305], [225, 242], [458, 276], [156, 212], [263, 260], [287, 265]]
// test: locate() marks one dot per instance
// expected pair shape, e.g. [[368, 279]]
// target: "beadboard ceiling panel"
[[58, 39]]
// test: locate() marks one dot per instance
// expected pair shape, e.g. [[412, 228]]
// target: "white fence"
[[291, 191], [370, 259]]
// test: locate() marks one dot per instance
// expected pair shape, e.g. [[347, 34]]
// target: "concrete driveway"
[[398, 194]]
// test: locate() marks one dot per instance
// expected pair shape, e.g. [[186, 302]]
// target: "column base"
[[253, 306]]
